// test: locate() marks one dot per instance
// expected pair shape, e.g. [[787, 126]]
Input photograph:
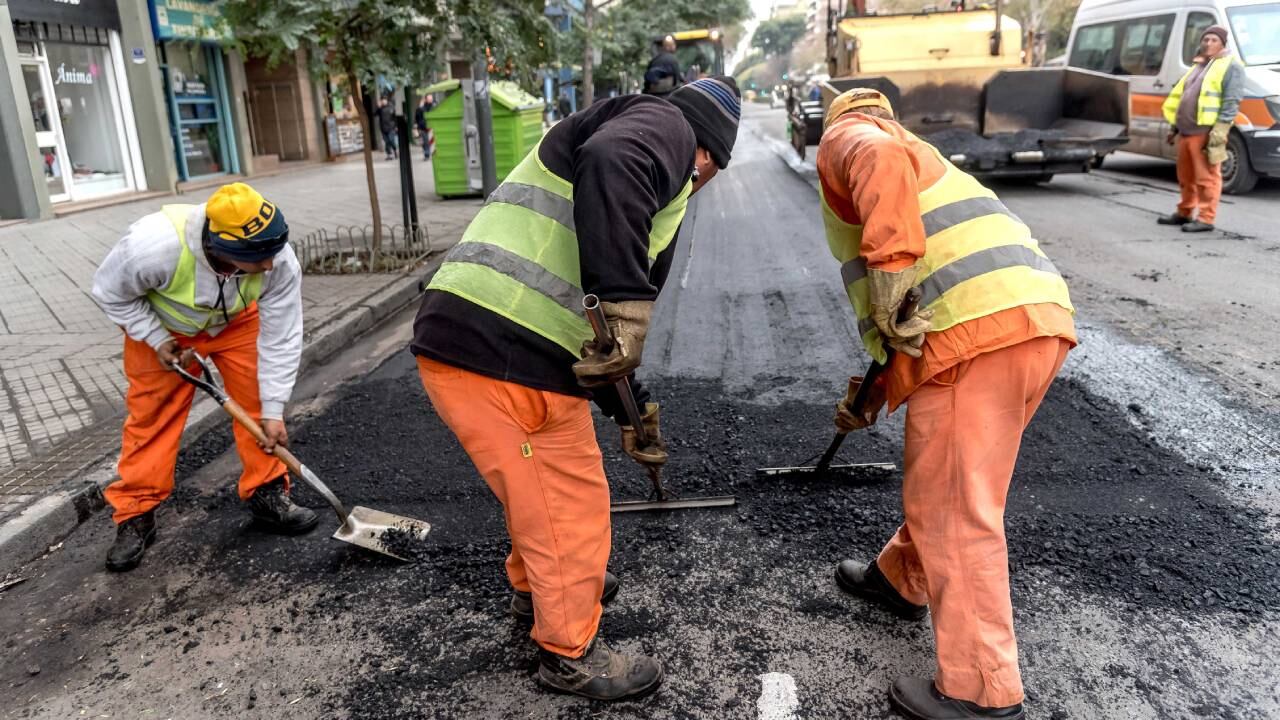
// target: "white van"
[[1152, 42]]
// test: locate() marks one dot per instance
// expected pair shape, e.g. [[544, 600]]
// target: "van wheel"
[[1238, 176]]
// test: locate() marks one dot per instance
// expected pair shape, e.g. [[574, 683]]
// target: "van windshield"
[[1256, 29]]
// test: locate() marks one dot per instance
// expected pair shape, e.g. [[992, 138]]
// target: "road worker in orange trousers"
[[509, 361], [220, 280], [972, 364]]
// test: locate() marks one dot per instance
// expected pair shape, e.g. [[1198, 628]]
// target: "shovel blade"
[[382, 532]]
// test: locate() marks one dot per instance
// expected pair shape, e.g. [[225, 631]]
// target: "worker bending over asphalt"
[[1200, 111], [972, 364], [507, 357], [217, 279]]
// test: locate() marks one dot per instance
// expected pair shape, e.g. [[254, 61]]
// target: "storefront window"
[[198, 119], [46, 134], [85, 101]]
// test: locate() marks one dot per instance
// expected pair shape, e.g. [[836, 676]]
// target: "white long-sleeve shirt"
[[146, 258]]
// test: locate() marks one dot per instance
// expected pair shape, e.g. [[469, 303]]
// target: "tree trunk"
[[375, 208], [588, 81]]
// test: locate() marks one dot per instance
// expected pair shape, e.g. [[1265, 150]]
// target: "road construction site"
[[1142, 520]]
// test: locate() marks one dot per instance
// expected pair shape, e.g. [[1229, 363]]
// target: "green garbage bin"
[[517, 127]]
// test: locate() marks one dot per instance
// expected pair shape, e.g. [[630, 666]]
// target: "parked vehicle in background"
[[1153, 42]]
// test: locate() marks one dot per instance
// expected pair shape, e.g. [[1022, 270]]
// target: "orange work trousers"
[[964, 427], [537, 451], [1200, 182], [158, 402]]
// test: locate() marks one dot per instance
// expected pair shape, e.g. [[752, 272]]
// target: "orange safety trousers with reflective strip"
[[964, 427], [537, 451], [158, 402]]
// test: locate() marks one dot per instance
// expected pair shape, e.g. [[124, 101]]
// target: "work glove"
[[1215, 150], [887, 290], [846, 420], [629, 322], [654, 455], [1172, 137]]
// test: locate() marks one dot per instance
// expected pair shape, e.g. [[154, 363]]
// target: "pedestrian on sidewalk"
[[1200, 111], [220, 280], [972, 365], [509, 362], [387, 124], [420, 122]]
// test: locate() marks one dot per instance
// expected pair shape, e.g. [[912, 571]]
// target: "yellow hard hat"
[[851, 100]]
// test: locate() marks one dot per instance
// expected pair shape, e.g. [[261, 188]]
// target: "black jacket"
[[627, 158]]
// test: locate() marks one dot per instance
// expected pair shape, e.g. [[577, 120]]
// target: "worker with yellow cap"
[[218, 279], [972, 364]]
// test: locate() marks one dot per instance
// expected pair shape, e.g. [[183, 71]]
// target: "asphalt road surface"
[[1146, 570]]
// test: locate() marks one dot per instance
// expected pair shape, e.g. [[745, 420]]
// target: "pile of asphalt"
[[1095, 505]]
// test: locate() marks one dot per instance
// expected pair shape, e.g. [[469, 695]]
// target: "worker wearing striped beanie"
[[713, 107]]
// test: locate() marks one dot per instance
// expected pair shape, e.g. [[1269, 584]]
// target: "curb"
[[29, 534]]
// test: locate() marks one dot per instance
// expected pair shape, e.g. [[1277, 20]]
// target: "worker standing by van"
[[972, 367], [1201, 110]]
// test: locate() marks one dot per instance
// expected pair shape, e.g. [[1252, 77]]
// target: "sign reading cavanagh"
[[89, 13]]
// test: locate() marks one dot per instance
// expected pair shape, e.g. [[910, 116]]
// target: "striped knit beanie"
[[712, 106]]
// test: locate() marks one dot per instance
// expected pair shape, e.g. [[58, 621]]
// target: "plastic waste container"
[[517, 128]]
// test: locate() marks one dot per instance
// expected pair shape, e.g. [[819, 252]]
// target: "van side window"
[[1145, 40], [1095, 48], [1197, 23]]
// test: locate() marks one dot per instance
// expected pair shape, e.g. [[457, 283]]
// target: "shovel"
[[860, 397], [381, 532]]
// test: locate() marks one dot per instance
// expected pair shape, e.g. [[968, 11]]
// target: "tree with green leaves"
[[777, 36]]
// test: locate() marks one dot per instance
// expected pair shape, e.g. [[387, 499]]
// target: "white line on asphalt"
[[777, 697]]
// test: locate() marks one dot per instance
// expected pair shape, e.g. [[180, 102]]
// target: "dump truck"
[[958, 79], [700, 52]]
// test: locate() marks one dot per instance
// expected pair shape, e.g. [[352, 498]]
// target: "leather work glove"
[[846, 421], [887, 290], [1172, 137], [629, 322], [654, 455], [1215, 149]]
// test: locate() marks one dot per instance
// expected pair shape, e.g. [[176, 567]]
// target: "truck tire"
[[1238, 176]]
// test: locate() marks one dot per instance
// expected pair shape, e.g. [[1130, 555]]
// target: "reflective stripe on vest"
[[979, 258], [175, 303], [1210, 100], [519, 256]]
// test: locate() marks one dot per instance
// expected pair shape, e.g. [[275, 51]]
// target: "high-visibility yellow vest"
[[1210, 100], [519, 256], [979, 258], [175, 303]]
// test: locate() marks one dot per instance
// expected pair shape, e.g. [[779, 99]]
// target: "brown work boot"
[[919, 699], [1173, 219], [522, 602], [868, 582], [275, 510], [133, 536], [600, 674]]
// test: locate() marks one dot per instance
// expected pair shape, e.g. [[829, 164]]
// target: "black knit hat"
[[1218, 30], [712, 105]]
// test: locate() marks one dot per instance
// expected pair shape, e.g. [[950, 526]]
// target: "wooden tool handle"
[[246, 420]]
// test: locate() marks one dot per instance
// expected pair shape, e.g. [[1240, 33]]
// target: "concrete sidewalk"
[[61, 381]]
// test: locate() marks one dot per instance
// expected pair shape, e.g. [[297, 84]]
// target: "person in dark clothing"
[[663, 73], [387, 124], [509, 361], [420, 122]]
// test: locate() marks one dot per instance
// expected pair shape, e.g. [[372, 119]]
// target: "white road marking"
[[777, 697]]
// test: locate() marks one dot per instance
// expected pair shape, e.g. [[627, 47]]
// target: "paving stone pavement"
[[62, 385]]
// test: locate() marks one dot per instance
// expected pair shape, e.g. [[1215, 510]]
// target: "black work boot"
[[600, 674], [1174, 219], [522, 602], [133, 536], [274, 510], [1197, 226], [868, 582], [918, 699]]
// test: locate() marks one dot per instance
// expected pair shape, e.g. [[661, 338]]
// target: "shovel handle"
[[246, 420]]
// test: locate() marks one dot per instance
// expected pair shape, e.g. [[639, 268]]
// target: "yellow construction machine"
[[957, 78]]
